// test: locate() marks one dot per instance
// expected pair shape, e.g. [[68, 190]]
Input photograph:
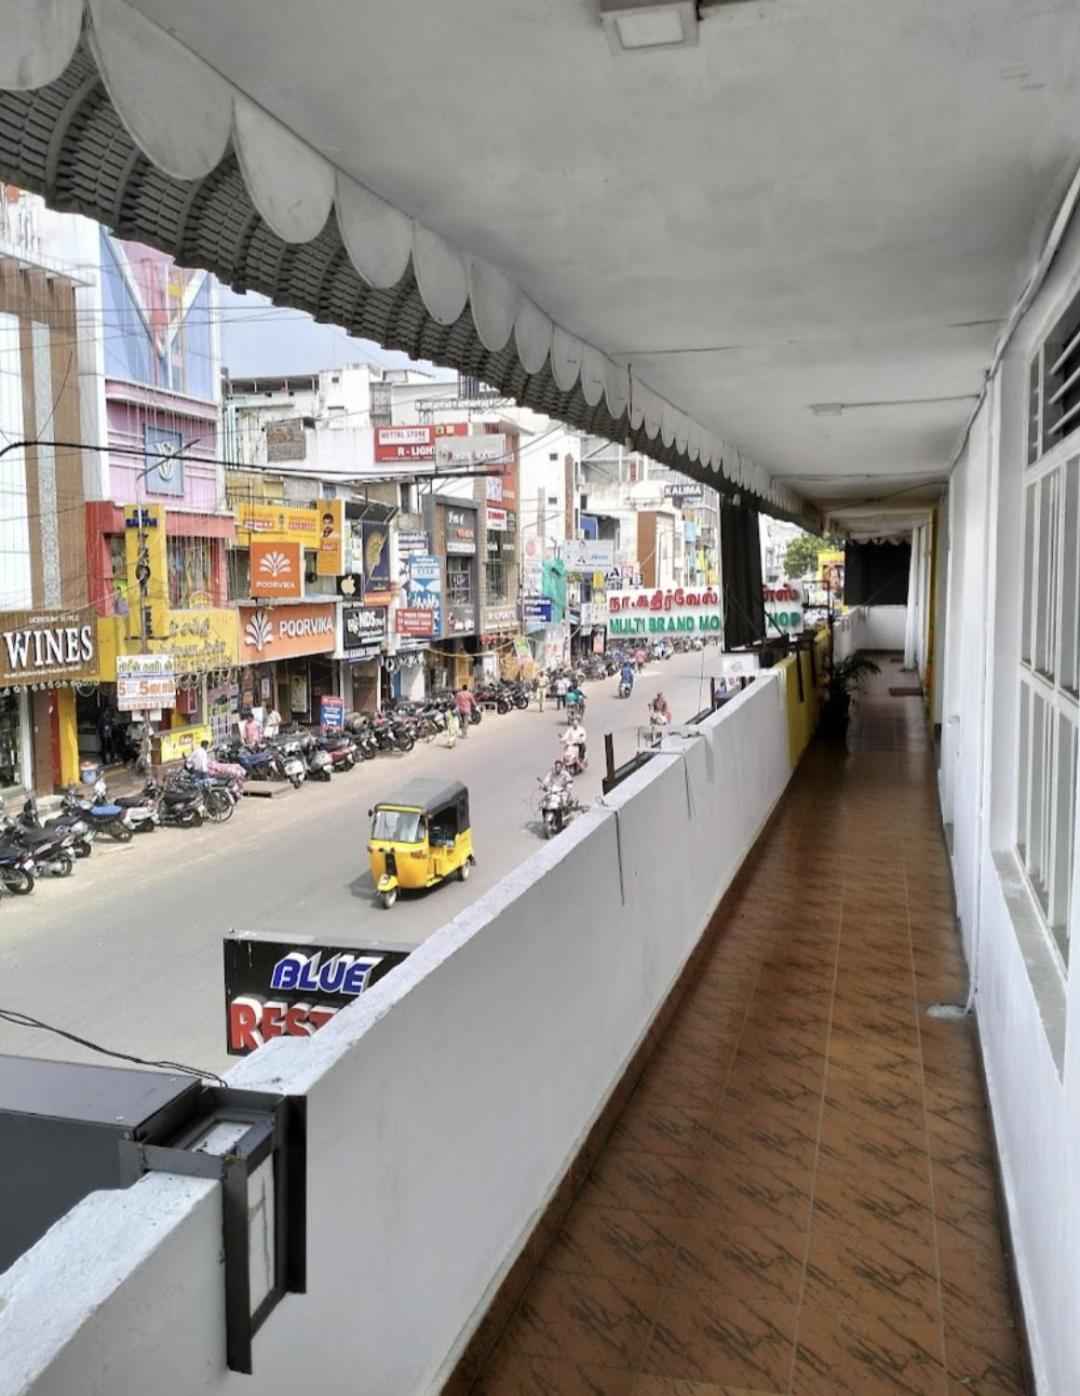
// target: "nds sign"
[[38, 647], [277, 987]]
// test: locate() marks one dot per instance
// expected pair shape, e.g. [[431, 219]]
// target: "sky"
[[259, 338]]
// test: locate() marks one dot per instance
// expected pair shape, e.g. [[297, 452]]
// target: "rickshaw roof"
[[426, 795]]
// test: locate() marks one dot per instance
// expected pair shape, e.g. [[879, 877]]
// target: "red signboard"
[[415, 442], [415, 622]]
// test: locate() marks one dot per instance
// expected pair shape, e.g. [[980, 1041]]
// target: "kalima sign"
[[280, 987]]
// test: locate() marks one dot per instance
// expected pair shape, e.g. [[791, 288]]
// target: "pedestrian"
[[539, 684], [272, 722], [465, 703], [105, 728], [199, 760], [250, 729], [562, 688], [453, 728], [639, 658]]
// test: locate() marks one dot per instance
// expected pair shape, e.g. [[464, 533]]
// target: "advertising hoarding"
[[376, 564], [588, 554], [664, 611], [145, 681], [424, 588], [331, 559], [277, 569]]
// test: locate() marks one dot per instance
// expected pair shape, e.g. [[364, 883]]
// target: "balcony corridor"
[[799, 1196]]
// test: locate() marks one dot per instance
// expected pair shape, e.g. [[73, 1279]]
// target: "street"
[[127, 951]]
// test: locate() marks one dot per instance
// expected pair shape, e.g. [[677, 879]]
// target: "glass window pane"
[[1036, 820], [1064, 825], [1069, 676], [1045, 590], [1024, 774], [1030, 516]]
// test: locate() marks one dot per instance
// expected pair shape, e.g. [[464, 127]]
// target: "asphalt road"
[[127, 951]]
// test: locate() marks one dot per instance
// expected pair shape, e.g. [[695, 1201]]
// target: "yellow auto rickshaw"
[[420, 838]]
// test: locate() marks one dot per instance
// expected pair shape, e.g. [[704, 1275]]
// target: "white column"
[[911, 619]]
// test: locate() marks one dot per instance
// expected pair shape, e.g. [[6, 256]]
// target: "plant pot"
[[835, 715]]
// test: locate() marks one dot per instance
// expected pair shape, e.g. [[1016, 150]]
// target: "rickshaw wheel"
[[388, 898], [465, 870]]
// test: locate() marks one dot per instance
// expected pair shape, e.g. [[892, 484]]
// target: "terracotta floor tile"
[[842, 1354], [753, 1263], [975, 1287], [650, 1126], [764, 1196], [883, 1275], [585, 1319], [616, 1243], [856, 1205], [984, 1360], [648, 1183], [511, 1373], [722, 1339]]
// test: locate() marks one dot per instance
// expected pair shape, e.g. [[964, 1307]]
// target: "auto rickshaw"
[[420, 838]]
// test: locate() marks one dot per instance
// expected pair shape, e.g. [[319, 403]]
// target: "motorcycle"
[[340, 748], [16, 870], [49, 851], [318, 763], [79, 829], [141, 808], [391, 735], [109, 819], [556, 804], [626, 687]]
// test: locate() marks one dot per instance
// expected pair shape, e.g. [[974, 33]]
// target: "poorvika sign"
[[664, 611], [50, 645], [280, 987], [288, 630]]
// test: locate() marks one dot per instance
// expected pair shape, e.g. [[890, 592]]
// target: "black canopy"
[[427, 795]]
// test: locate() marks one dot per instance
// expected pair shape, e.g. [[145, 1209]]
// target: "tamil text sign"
[[145, 681], [663, 611], [784, 609]]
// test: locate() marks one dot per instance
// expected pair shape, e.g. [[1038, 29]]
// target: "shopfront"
[[455, 541], [44, 657], [287, 657], [360, 650]]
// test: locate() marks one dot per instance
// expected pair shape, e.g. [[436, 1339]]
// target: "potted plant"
[[843, 679]]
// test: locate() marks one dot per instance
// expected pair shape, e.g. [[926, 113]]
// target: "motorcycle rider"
[[626, 676], [558, 786], [659, 712], [199, 760], [574, 746]]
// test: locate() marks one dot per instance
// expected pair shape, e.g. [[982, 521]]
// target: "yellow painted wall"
[[802, 718], [68, 729]]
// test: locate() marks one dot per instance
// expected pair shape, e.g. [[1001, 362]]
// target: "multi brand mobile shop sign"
[[281, 987], [784, 609], [664, 611]]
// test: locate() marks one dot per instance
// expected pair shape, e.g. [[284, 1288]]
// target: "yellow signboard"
[[290, 523], [180, 742], [331, 559], [201, 641]]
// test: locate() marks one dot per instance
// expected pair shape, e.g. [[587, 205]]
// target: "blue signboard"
[[331, 711], [536, 610], [423, 591]]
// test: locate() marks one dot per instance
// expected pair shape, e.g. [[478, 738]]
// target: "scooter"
[[108, 819], [79, 829], [319, 763], [141, 809], [573, 758], [626, 687], [556, 805], [341, 748]]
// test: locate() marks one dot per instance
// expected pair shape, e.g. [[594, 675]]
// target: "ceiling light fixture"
[[635, 26]]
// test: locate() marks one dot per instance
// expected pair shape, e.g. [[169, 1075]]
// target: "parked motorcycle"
[[79, 829], [141, 809], [16, 869], [340, 747], [112, 820], [49, 850]]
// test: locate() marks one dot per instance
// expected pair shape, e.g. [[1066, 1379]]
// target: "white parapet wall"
[[443, 1109], [870, 628]]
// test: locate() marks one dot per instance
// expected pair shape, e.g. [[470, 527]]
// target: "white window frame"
[[1048, 714]]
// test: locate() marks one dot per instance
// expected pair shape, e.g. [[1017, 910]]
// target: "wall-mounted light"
[[635, 26]]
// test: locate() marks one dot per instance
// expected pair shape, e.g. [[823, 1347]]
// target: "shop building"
[[453, 526], [286, 657], [48, 640], [361, 649]]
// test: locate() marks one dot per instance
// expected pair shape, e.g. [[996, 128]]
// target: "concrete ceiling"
[[827, 202]]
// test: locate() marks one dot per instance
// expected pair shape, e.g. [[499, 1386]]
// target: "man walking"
[[465, 703]]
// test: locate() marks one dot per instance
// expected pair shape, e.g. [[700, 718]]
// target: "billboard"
[[423, 591], [277, 569], [664, 611], [588, 554], [405, 443], [473, 449], [145, 681], [376, 538], [331, 559]]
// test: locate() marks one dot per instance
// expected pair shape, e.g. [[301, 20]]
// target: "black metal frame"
[[276, 1129]]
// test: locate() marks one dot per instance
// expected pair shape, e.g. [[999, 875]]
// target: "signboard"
[[286, 631], [460, 531], [376, 564], [285, 439], [298, 702], [496, 519], [738, 665], [664, 611], [423, 591], [202, 639], [521, 648], [180, 742], [331, 711], [164, 468], [684, 492], [296, 525], [404, 443], [363, 627], [277, 986], [536, 610], [415, 622], [460, 620], [145, 681], [277, 569], [500, 618], [331, 559], [411, 542], [784, 609], [588, 554], [43, 645], [473, 449], [831, 572]]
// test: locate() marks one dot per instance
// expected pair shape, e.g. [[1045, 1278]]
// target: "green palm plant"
[[843, 679]]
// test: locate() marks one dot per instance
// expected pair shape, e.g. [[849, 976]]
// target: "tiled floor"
[[799, 1197]]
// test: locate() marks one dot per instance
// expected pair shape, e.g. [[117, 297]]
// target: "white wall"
[[443, 1109], [870, 628]]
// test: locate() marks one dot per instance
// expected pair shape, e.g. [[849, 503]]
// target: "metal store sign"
[[281, 987], [38, 646]]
